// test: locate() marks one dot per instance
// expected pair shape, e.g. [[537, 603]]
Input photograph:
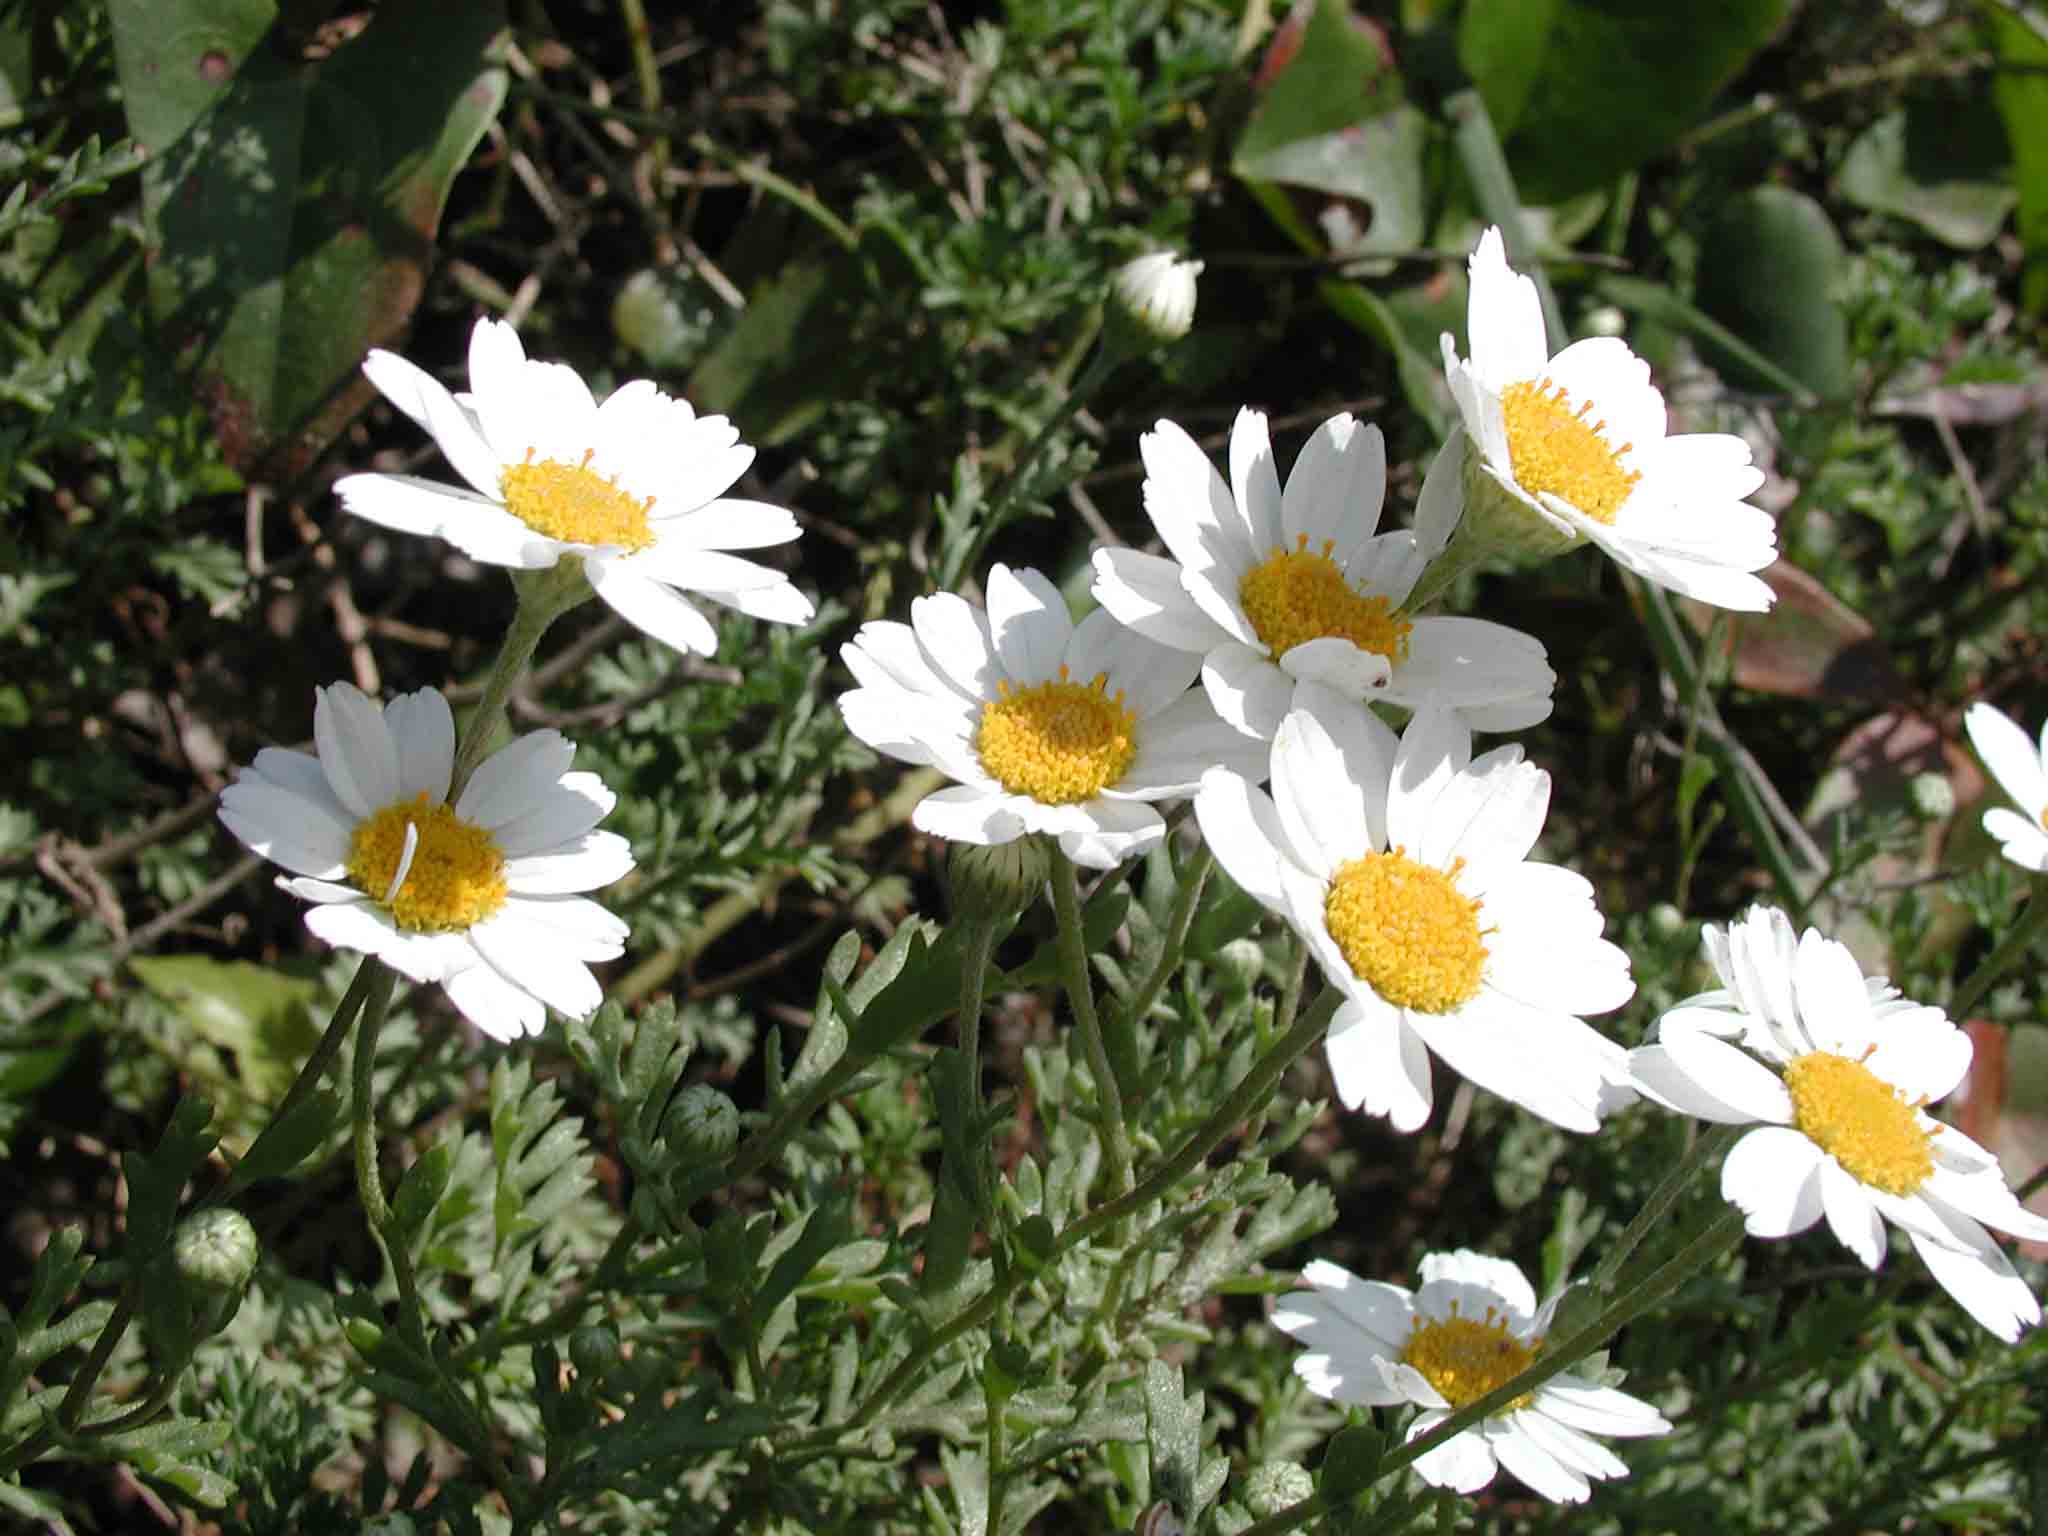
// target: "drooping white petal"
[[511, 781], [655, 610], [1772, 1176]]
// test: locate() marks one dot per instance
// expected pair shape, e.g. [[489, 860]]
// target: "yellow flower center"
[[1465, 1358], [574, 503], [426, 866], [1407, 930], [1554, 448], [1294, 595], [1862, 1120], [1058, 742]]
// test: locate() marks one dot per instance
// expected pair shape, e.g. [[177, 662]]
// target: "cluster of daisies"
[[1239, 669]]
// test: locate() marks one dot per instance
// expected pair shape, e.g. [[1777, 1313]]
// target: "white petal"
[[1246, 689], [1335, 489], [2009, 755], [1028, 622], [1772, 1176], [523, 952], [1851, 1215], [1339, 665], [656, 611], [1983, 1283], [969, 813], [494, 1005], [1254, 481], [1197, 517], [356, 749], [513, 780], [1242, 829], [423, 729], [1696, 1075], [779, 602], [730, 522], [302, 835], [1101, 834], [1441, 502], [1150, 677], [561, 813], [1527, 1459], [1504, 319], [424, 957], [1464, 1463], [955, 637], [587, 863], [1178, 745], [1319, 791], [915, 728], [1379, 1064], [1435, 748], [2020, 840], [1145, 593]]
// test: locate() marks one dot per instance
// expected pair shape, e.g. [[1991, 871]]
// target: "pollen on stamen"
[[437, 872], [1407, 931], [574, 503], [1059, 742], [1297, 595], [1555, 449]]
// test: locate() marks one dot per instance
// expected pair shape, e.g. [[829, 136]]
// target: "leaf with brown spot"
[[293, 199]]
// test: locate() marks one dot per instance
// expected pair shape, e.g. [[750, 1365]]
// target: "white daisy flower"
[[634, 487], [1573, 447], [479, 895], [1472, 1327], [1273, 587], [2021, 769], [1404, 866], [1049, 726], [1834, 1071]]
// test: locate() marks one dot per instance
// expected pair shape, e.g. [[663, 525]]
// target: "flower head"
[[1403, 864], [1272, 587], [1049, 726], [478, 895], [1472, 1327], [1835, 1071], [2021, 769], [1154, 295], [634, 487], [1573, 447]]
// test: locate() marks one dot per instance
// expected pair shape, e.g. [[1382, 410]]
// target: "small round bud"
[[215, 1251], [1605, 320], [1931, 796], [1666, 921], [1153, 297], [1242, 962], [593, 1351], [1274, 1485], [701, 1124], [994, 884]]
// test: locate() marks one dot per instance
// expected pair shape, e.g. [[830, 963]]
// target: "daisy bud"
[[215, 1251], [994, 884], [593, 1351], [1275, 1485], [1666, 921], [1931, 796], [1152, 298], [702, 1125], [1242, 962]]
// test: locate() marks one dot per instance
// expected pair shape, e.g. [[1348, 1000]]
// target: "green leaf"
[[1501, 44], [1936, 165], [263, 1016], [1174, 1434], [2020, 87], [290, 1139], [789, 355], [1618, 84], [1332, 119], [825, 1229], [293, 207], [156, 1178], [1794, 318], [1654, 302]]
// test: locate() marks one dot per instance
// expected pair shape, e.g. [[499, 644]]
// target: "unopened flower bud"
[[1153, 297], [593, 1351], [1274, 1485], [1931, 796], [1242, 962], [215, 1251], [998, 883], [701, 1124], [1666, 921]]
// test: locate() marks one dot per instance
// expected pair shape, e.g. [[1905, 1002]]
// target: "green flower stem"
[[1192, 877], [981, 941], [2032, 921], [1108, 357], [1073, 948], [1707, 1148], [1736, 765], [324, 1053], [362, 1100], [1718, 1237], [544, 596], [1250, 1095]]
